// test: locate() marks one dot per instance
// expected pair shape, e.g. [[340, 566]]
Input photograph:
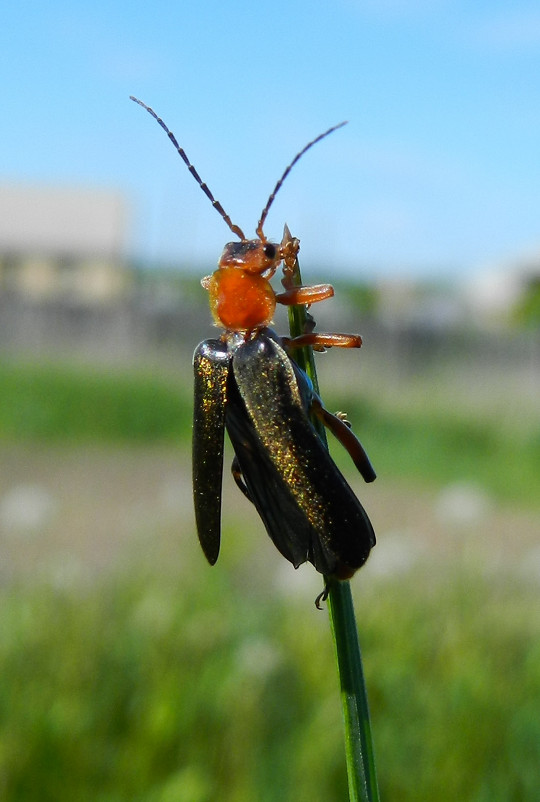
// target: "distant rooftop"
[[60, 221]]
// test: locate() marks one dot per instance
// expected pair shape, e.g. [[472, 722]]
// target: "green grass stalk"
[[361, 772]]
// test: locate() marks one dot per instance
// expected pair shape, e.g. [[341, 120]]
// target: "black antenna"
[[266, 209], [216, 204]]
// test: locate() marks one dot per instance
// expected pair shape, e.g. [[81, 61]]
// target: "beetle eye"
[[269, 251]]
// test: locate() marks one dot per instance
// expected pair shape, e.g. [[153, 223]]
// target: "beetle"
[[247, 383]]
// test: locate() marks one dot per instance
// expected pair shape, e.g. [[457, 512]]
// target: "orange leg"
[[294, 296], [321, 341], [347, 438]]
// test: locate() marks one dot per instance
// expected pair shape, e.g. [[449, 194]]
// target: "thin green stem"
[[361, 772], [359, 753]]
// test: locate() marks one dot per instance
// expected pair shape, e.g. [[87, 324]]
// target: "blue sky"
[[437, 171]]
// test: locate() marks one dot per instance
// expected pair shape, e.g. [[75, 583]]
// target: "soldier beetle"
[[247, 383]]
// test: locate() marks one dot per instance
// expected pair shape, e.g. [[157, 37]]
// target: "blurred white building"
[[60, 241]]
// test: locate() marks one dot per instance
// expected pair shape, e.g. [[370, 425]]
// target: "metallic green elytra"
[[255, 391]]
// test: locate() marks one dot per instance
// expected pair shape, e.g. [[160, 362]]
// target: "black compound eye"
[[269, 250]]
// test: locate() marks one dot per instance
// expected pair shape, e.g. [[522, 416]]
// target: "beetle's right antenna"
[[216, 204], [286, 173]]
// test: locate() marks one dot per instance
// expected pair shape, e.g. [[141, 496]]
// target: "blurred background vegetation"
[[133, 670], [130, 669]]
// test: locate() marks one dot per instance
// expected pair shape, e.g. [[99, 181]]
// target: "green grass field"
[[165, 688], [431, 444], [161, 679]]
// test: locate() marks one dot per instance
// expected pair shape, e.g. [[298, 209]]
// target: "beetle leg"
[[322, 341], [289, 249], [322, 597], [342, 430], [295, 296], [238, 477]]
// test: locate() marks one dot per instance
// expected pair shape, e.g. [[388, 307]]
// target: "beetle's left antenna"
[[286, 173], [216, 204]]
